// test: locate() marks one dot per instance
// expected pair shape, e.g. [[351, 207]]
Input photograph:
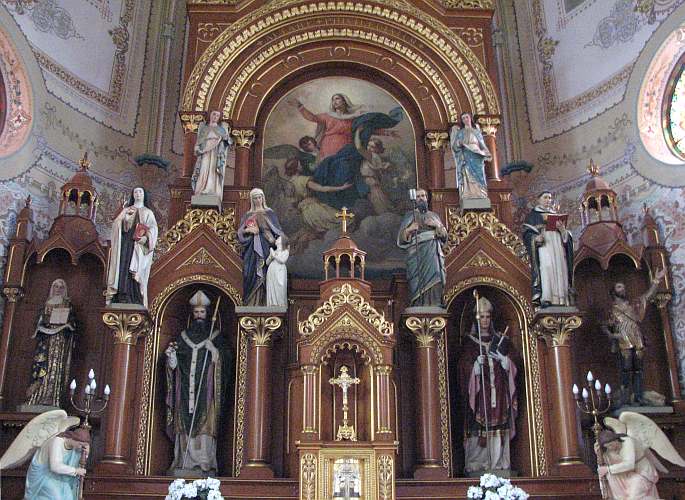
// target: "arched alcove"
[[171, 316], [507, 312]]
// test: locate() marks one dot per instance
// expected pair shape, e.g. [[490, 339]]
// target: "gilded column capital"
[[662, 299], [260, 329], [13, 293], [436, 139], [191, 120], [127, 326], [557, 329], [425, 329], [489, 124], [309, 369], [244, 137], [383, 369]]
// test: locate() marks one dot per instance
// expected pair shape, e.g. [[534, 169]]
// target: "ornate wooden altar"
[[280, 428]]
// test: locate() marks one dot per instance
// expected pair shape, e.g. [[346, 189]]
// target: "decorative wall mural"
[[95, 67], [558, 96], [336, 142], [18, 115]]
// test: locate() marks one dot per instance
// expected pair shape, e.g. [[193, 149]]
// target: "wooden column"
[[260, 330], [436, 142], [662, 300], [426, 329], [127, 325], [190, 120], [244, 139], [383, 422], [489, 124], [310, 426], [556, 328], [13, 286]]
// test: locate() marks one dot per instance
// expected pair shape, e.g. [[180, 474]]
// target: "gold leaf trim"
[[469, 4], [444, 403], [259, 329], [341, 296], [425, 329], [222, 224], [482, 259], [386, 475], [461, 226], [241, 394], [201, 257], [308, 465], [558, 329], [127, 327]]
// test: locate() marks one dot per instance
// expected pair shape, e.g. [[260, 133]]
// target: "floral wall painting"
[[334, 142]]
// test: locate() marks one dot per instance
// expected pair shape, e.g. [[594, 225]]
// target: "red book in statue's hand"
[[141, 230], [552, 219]]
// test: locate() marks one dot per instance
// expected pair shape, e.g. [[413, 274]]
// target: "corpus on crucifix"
[[345, 431], [344, 215]]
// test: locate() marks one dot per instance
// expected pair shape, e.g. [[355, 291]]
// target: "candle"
[[585, 393], [107, 390], [576, 391], [91, 374], [590, 378]]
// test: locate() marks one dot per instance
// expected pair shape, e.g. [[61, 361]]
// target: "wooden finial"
[[593, 169], [344, 215], [84, 161]]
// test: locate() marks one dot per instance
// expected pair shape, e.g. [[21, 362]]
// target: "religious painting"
[[339, 142]]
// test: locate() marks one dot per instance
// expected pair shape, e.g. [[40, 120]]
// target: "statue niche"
[[487, 438], [176, 316]]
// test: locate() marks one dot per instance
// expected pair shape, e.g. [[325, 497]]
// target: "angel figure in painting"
[[631, 469], [470, 154], [133, 241], [54, 336], [55, 471], [211, 149], [277, 273]]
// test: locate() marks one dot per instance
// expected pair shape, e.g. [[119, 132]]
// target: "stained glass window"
[[675, 111]]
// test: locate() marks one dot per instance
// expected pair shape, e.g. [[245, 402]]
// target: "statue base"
[[36, 408], [475, 204], [247, 310], [425, 311], [205, 201], [126, 306], [192, 473], [497, 472], [645, 410]]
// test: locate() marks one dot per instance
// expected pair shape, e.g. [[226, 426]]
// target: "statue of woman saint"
[[134, 236], [54, 336], [470, 154], [211, 148], [257, 233]]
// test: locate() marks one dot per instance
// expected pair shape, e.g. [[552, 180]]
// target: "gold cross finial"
[[593, 169], [344, 215], [84, 162]]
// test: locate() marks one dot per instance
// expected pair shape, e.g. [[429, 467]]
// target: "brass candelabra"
[[596, 401], [89, 400]]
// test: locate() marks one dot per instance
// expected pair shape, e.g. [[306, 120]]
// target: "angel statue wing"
[[648, 432], [615, 425], [38, 430]]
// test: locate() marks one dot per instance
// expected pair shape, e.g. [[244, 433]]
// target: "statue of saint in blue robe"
[[470, 154]]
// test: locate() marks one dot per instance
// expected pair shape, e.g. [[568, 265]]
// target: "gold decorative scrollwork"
[[488, 281], [453, 50], [206, 32], [191, 121], [308, 465], [13, 293], [661, 300], [426, 329], [469, 4], [244, 137], [127, 326], [460, 226], [444, 403], [436, 140], [201, 257], [558, 329], [341, 296], [482, 259], [222, 224], [386, 474], [241, 391], [368, 348], [259, 329]]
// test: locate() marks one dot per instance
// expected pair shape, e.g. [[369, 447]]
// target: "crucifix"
[[344, 215], [345, 382]]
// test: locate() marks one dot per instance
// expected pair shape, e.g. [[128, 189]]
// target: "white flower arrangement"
[[495, 488], [200, 489]]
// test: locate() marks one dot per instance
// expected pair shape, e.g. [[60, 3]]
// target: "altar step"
[[147, 488]]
